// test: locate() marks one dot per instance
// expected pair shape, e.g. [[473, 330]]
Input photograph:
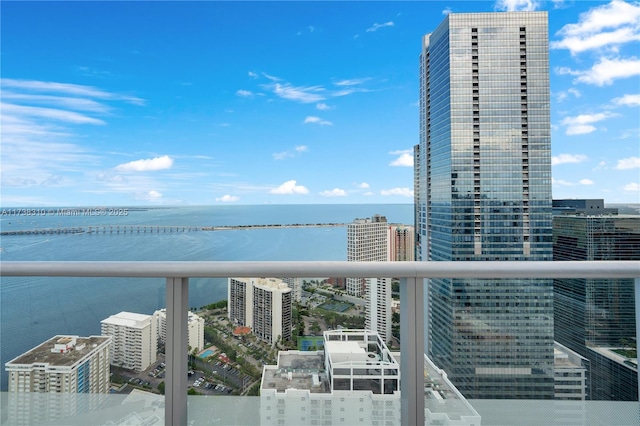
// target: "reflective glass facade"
[[596, 316], [483, 184]]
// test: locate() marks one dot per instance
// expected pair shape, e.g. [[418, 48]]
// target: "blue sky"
[[171, 103]]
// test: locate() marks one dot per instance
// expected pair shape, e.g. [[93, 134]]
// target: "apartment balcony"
[[416, 407]]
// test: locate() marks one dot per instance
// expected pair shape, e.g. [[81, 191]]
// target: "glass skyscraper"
[[483, 193], [596, 317]]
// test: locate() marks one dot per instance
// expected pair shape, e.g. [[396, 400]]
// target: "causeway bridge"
[[155, 229], [104, 229]]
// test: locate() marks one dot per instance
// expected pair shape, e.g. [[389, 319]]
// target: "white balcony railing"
[[412, 316]]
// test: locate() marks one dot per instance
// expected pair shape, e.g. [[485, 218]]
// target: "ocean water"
[[33, 309]]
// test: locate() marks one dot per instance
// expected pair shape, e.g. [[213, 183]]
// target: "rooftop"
[[296, 370], [42, 354], [127, 319]]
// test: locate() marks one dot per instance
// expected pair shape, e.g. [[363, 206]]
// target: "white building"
[[195, 338], [295, 284], [135, 340], [355, 380], [367, 241], [264, 304], [65, 366], [342, 385]]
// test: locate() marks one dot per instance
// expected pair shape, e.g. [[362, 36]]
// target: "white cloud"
[[608, 25], [404, 160], [561, 182], [289, 187], [317, 120], [558, 4], [48, 113], [39, 126], [363, 185], [516, 5], [244, 93], [405, 192], [252, 74], [335, 192], [228, 198], [322, 106], [628, 163], [288, 154], [377, 26], [368, 194], [351, 81], [605, 71], [145, 165], [582, 124], [575, 92], [629, 100], [149, 196], [282, 155], [586, 182], [568, 158], [446, 11], [303, 94], [81, 104], [68, 89], [270, 77], [633, 186]]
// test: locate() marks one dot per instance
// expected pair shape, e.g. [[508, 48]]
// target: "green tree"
[[161, 388]]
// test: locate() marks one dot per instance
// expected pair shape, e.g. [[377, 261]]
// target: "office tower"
[[484, 194], [134, 343], [596, 317], [401, 243], [367, 241], [195, 329], [65, 366], [570, 374], [582, 206], [264, 304]]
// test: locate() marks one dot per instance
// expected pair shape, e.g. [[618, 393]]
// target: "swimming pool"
[[206, 353]]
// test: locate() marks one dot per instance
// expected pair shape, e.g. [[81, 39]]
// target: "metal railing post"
[[412, 351], [177, 296]]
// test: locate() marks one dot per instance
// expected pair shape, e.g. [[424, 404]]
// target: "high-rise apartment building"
[[134, 343], [401, 243], [295, 284], [195, 329], [483, 185], [264, 304], [596, 317], [368, 241], [53, 380], [62, 364]]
